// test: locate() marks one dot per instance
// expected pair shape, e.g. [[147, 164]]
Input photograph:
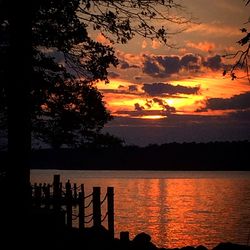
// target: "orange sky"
[[155, 82]]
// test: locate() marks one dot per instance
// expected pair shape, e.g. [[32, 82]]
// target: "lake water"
[[175, 208]]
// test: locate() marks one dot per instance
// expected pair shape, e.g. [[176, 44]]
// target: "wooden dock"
[[64, 198]]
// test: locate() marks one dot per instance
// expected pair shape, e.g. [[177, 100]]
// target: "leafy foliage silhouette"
[[66, 106], [242, 55]]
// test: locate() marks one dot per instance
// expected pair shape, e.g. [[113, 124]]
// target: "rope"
[[85, 197], [78, 187], [89, 204], [86, 222], [74, 216], [104, 217], [85, 216], [104, 198]]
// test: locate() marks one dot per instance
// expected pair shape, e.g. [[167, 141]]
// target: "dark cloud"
[[133, 88], [202, 109], [178, 129], [159, 101], [121, 91], [139, 111], [151, 68], [171, 64], [113, 74], [165, 66], [149, 103], [138, 78], [190, 61], [125, 65], [214, 62], [134, 66], [138, 107], [241, 101], [158, 89], [166, 108], [241, 115], [159, 66]]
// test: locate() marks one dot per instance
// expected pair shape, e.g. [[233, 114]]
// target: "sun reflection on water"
[[176, 212]]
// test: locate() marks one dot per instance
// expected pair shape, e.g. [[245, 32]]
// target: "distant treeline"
[[171, 156]]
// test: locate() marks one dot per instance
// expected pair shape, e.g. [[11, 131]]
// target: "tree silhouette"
[[49, 65], [66, 107], [241, 56]]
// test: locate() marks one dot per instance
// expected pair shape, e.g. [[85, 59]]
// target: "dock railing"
[[68, 196]]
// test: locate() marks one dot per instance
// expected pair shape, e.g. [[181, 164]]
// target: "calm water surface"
[[175, 208]]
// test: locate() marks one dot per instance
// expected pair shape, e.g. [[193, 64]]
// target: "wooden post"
[[37, 195], [60, 191], [81, 203], [31, 195], [110, 201], [69, 204], [34, 193], [96, 206], [44, 187], [82, 189], [47, 195], [40, 194], [56, 192]]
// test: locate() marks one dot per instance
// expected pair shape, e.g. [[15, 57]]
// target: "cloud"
[[144, 44], [138, 107], [150, 68], [123, 90], [138, 78], [159, 89], [138, 112], [149, 103], [168, 66], [203, 46], [166, 108], [171, 64], [241, 115], [158, 66], [156, 44], [179, 128], [126, 65], [123, 64], [190, 61], [133, 88], [215, 29], [113, 74], [241, 101], [165, 66], [120, 91], [214, 62]]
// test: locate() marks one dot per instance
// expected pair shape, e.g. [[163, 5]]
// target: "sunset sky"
[[158, 94]]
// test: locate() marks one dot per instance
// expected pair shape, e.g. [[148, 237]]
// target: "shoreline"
[[188, 156]]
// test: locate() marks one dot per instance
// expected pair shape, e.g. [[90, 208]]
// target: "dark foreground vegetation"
[[172, 156]]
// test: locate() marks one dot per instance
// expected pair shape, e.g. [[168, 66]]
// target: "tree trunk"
[[19, 129]]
